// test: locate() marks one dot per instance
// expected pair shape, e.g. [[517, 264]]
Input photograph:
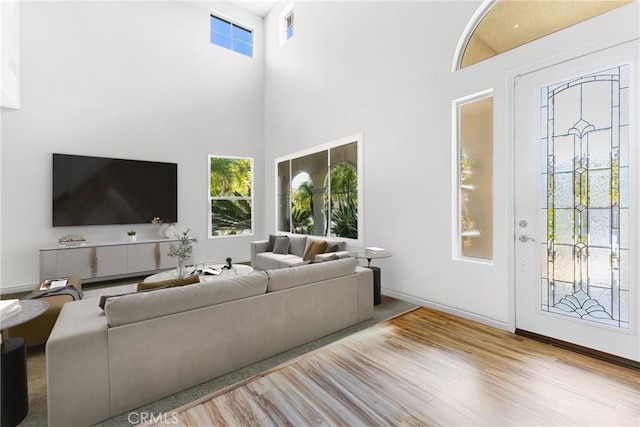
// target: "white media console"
[[109, 260]]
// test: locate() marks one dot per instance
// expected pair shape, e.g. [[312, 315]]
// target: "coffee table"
[[236, 270]]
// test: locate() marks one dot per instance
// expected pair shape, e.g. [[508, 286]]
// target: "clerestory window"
[[286, 23], [231, 35]]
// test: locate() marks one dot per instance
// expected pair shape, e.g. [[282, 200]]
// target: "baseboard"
[[499, 324], [596, 354]]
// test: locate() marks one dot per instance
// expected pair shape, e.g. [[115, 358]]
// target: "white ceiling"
[[259, 7]]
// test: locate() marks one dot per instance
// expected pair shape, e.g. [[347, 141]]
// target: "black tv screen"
[[100, 191]]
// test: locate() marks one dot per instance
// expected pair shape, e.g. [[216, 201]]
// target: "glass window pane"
[[230, 217], [243, 48], [241, 34], [344, 191], [220, 26], [475, 142], [230, 177], [284, 186], [308, 195], [220, 40]]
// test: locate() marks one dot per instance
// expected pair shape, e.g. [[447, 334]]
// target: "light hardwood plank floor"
[[428, 368]]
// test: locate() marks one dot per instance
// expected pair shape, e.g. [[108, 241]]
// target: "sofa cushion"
[[297, 245], [281, 245], [314, 247], [297, 276], [189, 280], [149, 305], [271, 261]]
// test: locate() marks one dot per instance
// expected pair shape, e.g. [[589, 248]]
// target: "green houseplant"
[[183, 250], [132, 235]]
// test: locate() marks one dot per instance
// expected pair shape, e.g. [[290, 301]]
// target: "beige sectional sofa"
[[148, 345], [299, 249]]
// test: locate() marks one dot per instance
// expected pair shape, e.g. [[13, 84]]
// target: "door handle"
[[525, 239]]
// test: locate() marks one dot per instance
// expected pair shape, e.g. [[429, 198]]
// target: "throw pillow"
[[104, 298], [281, 245], [270, 243], [297, 245], [331, 248], [316, 247], [143, 286]]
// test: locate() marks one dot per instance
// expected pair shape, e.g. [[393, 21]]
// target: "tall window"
[[318, 191], [475, 176], [230, 196], [231, 36]]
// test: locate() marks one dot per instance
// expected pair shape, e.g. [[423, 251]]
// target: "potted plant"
[[183, 250], [132, 235]]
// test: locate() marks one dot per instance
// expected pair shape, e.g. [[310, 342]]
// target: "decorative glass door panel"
[[584, 145], [576, 148]]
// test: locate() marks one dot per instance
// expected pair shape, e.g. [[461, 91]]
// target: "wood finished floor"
[[428, 368]]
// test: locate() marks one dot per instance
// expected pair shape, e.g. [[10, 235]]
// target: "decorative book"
[[72, 240], [9, 308], [376, 251], [54, 283]]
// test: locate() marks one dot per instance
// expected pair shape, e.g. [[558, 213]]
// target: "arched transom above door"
[[501, 25]]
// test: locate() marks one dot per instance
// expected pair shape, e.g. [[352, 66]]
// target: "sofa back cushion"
[[148, 305], [285, 278]]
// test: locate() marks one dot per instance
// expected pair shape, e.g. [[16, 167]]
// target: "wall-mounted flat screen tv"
[[100, 191]]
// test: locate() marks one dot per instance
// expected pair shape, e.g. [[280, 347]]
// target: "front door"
[[576, 194]]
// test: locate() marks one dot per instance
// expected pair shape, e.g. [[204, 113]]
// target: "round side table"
[[377, 283]]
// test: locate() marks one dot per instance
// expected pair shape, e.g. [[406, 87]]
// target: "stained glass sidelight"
[[584, 177]]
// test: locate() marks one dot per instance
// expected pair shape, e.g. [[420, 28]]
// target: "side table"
[[377, 284], [14, 392]]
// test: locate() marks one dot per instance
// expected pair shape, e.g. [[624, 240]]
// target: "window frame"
[[359, 140], [210, 199], [232, 23]]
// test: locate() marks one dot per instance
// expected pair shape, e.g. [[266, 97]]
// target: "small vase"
[[162, 230], [182, 271]]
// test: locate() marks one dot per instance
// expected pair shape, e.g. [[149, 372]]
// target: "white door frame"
[[511, 80]]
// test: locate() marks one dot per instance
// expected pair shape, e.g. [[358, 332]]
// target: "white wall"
[[384, 68], [129, 80]]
